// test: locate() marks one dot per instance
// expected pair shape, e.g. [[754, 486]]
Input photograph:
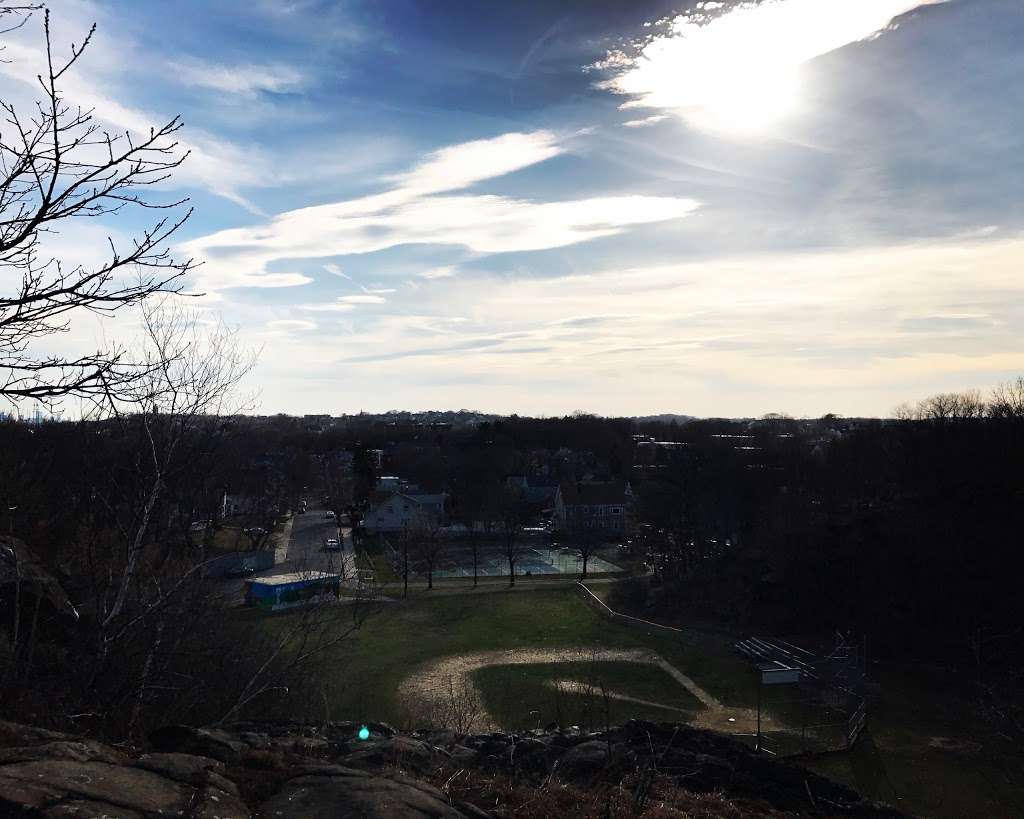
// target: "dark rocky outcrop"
[[287, 770]]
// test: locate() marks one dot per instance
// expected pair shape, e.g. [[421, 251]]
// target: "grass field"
[[389, 647], [924, 751], [921, 751], [528, 695]]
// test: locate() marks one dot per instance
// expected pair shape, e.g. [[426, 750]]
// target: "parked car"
[[332, 545], [240, 571], [328, 514]]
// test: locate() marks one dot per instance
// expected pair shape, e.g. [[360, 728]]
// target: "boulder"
[[79, 750], [402, 752], [211, 742], [198, 771], [43, 784], [358, 797], [589, 759], [88, 809], [14, 734]]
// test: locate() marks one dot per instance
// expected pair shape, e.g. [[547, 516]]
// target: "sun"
[[745, 101], [724, 75], [740, 70]]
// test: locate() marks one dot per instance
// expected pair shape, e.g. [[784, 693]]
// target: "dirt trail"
[[576, 687], [432, 688]]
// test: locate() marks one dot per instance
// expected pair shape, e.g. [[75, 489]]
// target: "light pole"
[[10, 520]]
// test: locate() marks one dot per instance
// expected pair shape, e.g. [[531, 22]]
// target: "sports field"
[[544, 655]]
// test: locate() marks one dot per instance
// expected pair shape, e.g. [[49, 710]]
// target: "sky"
[[627, 208]]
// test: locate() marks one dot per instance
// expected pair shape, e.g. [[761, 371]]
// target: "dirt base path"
[[576, 687], [444, 689]]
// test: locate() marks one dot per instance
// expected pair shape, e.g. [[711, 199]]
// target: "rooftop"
[[294, 577]]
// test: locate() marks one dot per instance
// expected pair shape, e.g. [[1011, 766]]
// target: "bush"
[[629, 595]]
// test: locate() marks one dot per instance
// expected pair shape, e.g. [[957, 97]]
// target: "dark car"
[[240, 571]]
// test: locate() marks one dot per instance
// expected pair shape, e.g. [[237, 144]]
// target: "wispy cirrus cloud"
[[438, 273], [246, 80], [335, 270], [214, 163], [646, 121], [848, 331], [459, 166], [423, 209], [328, 307], [291, 324]]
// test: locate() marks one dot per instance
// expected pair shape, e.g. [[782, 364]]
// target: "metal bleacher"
[[779, 653]]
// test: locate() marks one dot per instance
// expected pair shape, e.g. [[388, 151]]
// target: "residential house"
[[601, 507], [395, 511], [537, 492]]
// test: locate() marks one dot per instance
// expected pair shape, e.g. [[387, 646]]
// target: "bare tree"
[[405, 539], [455, 707], [585, 541], [511, 517], [476, 498], [189, 377], [428, 546], [947, 407], [57, 164], [1008, 400]]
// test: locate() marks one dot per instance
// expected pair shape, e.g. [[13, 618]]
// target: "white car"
[[332, 545]]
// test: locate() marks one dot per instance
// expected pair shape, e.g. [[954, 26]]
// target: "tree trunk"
[[476, 549], [405, 568], [133, 554]]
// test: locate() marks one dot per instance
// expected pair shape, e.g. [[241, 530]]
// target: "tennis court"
[[538, 560]]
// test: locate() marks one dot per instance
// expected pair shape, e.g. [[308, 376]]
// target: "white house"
[[395, 511]]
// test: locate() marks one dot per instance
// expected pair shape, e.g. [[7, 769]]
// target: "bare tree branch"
[[58, 165]]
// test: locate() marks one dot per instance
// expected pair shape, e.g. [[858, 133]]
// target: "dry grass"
[[657, 798]]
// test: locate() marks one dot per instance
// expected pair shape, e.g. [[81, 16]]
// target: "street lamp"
[[10, 519]]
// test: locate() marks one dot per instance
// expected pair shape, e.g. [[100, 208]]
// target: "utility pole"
[[757, 744]]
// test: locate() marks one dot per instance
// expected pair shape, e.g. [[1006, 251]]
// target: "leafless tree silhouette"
[[58, 165]]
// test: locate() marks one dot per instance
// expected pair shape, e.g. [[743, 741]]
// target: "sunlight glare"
[[740, 71]]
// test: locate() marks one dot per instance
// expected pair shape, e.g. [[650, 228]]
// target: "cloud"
[[328, 307], [364, 299], [213, 164], [740, 69], [291, 324], [418, 212], [646, 121], [459, 166], [853, 331], [244, 80], [335, 270], [438, 273]]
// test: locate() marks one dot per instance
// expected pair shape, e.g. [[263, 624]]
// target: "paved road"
[[304, 551], [310, 531]]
